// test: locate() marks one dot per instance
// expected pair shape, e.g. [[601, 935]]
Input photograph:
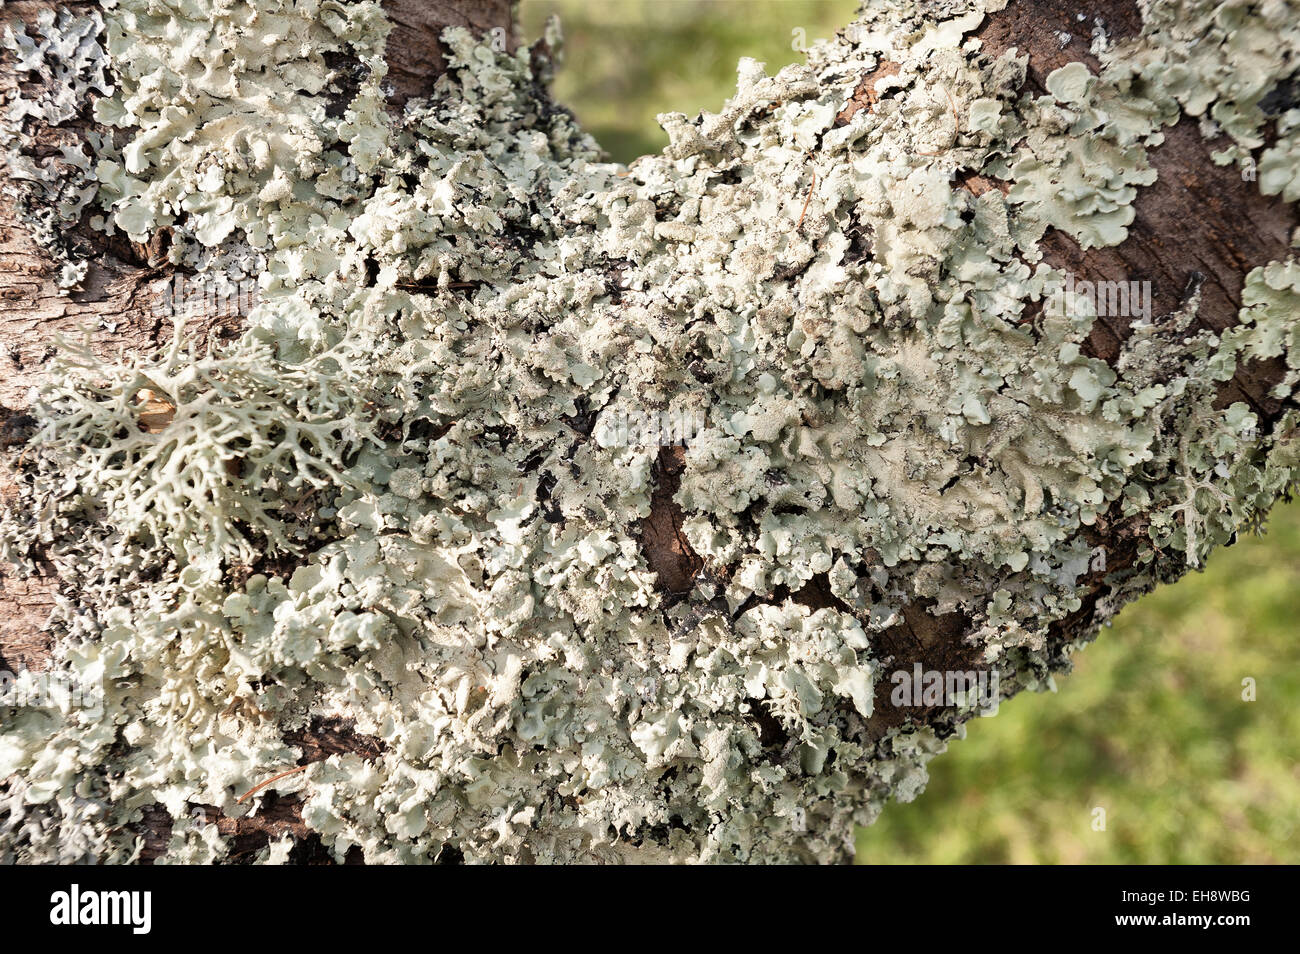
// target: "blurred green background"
[[627, 60], [1151, 727]]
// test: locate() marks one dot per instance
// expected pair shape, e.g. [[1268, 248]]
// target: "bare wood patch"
[[665, 547], [866, 96]]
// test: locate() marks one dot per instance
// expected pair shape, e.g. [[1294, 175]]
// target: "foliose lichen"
[[57, 72], [382, 505]]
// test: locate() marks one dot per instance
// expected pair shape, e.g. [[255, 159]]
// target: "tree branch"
[[1197, 231]]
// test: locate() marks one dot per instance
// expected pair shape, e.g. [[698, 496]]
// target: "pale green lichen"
[[206, 456], [896, 408], [58, 70]]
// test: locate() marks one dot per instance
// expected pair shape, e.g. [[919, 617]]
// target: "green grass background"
[[1151, 727]]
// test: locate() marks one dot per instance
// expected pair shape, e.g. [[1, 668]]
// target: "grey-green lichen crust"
[[57, 71], [381, 505]]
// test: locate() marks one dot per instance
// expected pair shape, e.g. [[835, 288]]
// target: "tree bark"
[[118, 308], [119, 304], [1200, 228]]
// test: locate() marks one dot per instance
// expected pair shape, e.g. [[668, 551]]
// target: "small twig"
[[274, 778], [956, 127], [811, 187]]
